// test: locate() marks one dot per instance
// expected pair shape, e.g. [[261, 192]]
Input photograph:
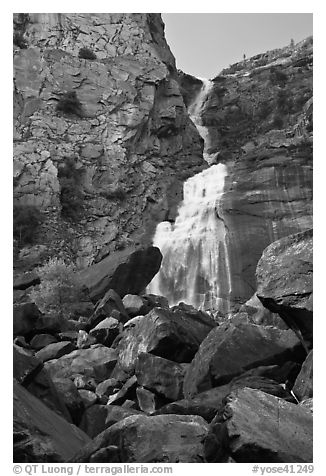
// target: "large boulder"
[[162, 376], [172, 335], [97, 362], [254, 427], [25, 316], [99, 417], [230, 350], [110, 305], [145, 439], [55, 350], [303, 386], [284, 277], [127, 272], [40, 435], [106, 331]]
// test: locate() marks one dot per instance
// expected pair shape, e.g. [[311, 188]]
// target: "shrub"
[[70, 104], [86, 53], [278, 77], [26, 220], [58, 289]]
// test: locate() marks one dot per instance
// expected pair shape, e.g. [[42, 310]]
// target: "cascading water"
[[195, 267]]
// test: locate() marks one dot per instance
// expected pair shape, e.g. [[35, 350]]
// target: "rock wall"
[[126, 148], [259, 115]]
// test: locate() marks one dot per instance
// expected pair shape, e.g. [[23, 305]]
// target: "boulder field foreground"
[[103, 143], [171, 384]]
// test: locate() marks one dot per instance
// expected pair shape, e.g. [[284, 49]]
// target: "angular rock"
[[40, 435], [88, 383], [155, 301], [70, 397], [172, 335], [108, 387], [42, 340], [207, 404], [303, 386], [25, 317], [135, 305], [106, 331], [110, 305], [159, 375], [148, 402], [21, 342], [72, 336], [149, 439], [230, 350], [84, 340], [96, 362], [127, 391], [99, 417], [88, 397], [284, 276], [55, 350], [26, 365], [127, 272], [254, 427]]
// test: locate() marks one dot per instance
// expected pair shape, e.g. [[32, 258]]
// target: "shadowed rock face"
[[131, 143], [255, 427], [285, 281]]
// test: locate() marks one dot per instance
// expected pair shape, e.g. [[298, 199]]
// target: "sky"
[[205, 43]]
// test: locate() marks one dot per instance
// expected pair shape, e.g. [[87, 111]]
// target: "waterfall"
[[195, 267]]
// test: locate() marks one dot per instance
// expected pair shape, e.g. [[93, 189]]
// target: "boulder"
[[106, 331], [159, 375], [152, 439], [135, 305], [70, 397], [254, 427], [97, 362], [88, 397], [127, 391], [127, 272], [40, 435], [230, 350], [42, 340], [284, 278], [110, 305], [84, 340], [148, 401], [172, 335], [25, 316], [303, 386], [108, 387], [207, 404], [99, 417], [25, 364], [55, 350], [155, 301]]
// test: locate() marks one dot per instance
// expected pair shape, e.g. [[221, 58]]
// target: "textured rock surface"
[[231, 349], [40, 435], [285, 281], [303, 386], [133, 144], [160, 375], [97, 362], [55, 350], [260, 126], [99, 417], [171, 335], [125, 272], [143, 439], [255, 427]]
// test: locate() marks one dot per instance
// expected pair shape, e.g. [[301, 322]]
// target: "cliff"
[[259, 117], [102, 140]]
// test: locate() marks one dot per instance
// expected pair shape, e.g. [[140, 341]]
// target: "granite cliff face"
[[123, 152], [259, 117]]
